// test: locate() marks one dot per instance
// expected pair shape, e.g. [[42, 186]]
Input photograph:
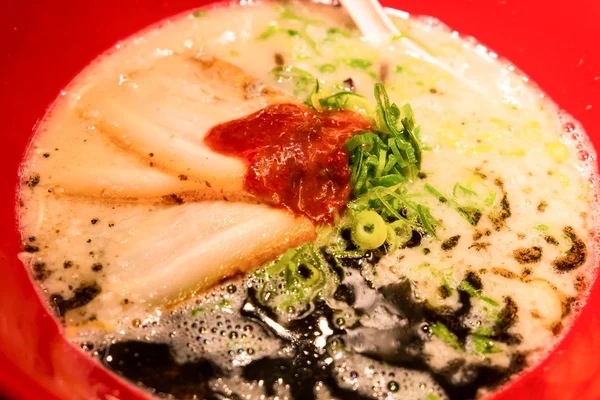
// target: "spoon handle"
[[377, 27], [371, 19]]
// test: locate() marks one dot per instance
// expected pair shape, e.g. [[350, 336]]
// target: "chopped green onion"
[[359, 63], [483, 331], [388, 180], [225, 303], [327, 68], [338, 31], [484, 345], [466, 286], [365, 138], [402, 232], [274, 29], [296, 279], [471, 214], [433, 191], [389, 116], [197, 311], [301, 78], [289, 72], [459, 188], [381, 164], [490, 199], [369, 230], [345, 101], [441, 331], [347, 254], [429, 223]]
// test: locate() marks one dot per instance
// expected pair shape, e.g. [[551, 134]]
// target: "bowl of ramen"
[[250, 201]]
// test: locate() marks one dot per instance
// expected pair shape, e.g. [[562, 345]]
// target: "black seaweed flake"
[[153, 365], [41, 272], [450, 243], [575, 257], [499, 217], [31, 248], [528, 255], [82, 295], [33, 181]]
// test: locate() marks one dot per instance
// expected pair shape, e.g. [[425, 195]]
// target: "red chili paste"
[[295, 156]]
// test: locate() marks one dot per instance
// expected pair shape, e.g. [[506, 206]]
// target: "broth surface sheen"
[[123, 202]]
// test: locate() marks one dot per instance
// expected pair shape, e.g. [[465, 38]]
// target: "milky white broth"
[[88, 198]]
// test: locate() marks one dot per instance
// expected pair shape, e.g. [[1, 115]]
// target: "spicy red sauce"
[[295, 156]]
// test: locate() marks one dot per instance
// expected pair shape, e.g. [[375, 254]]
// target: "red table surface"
[[44, 43]]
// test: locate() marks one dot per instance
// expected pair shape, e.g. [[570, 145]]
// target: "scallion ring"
[[369, 230]]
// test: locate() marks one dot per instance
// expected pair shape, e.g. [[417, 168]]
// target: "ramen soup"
[[254, 202]]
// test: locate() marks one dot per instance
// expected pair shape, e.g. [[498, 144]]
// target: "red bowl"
[[45, 43]]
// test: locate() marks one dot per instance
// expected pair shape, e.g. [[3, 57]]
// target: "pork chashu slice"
[[163, 112], [158, 258], [160, 116]]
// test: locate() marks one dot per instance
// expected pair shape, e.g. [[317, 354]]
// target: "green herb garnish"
[[300, 78], [441, 331], [338, 31], [274, 29], [296, 279], [459, 190], [381, 211], [434, 192], [484, 345], [483, 331], [359, 63], [466, 286], [369, 230], [345, 101], [197, 311], [327, 68], [382, 161], [199, 14], [490, 199], [471, 214]]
